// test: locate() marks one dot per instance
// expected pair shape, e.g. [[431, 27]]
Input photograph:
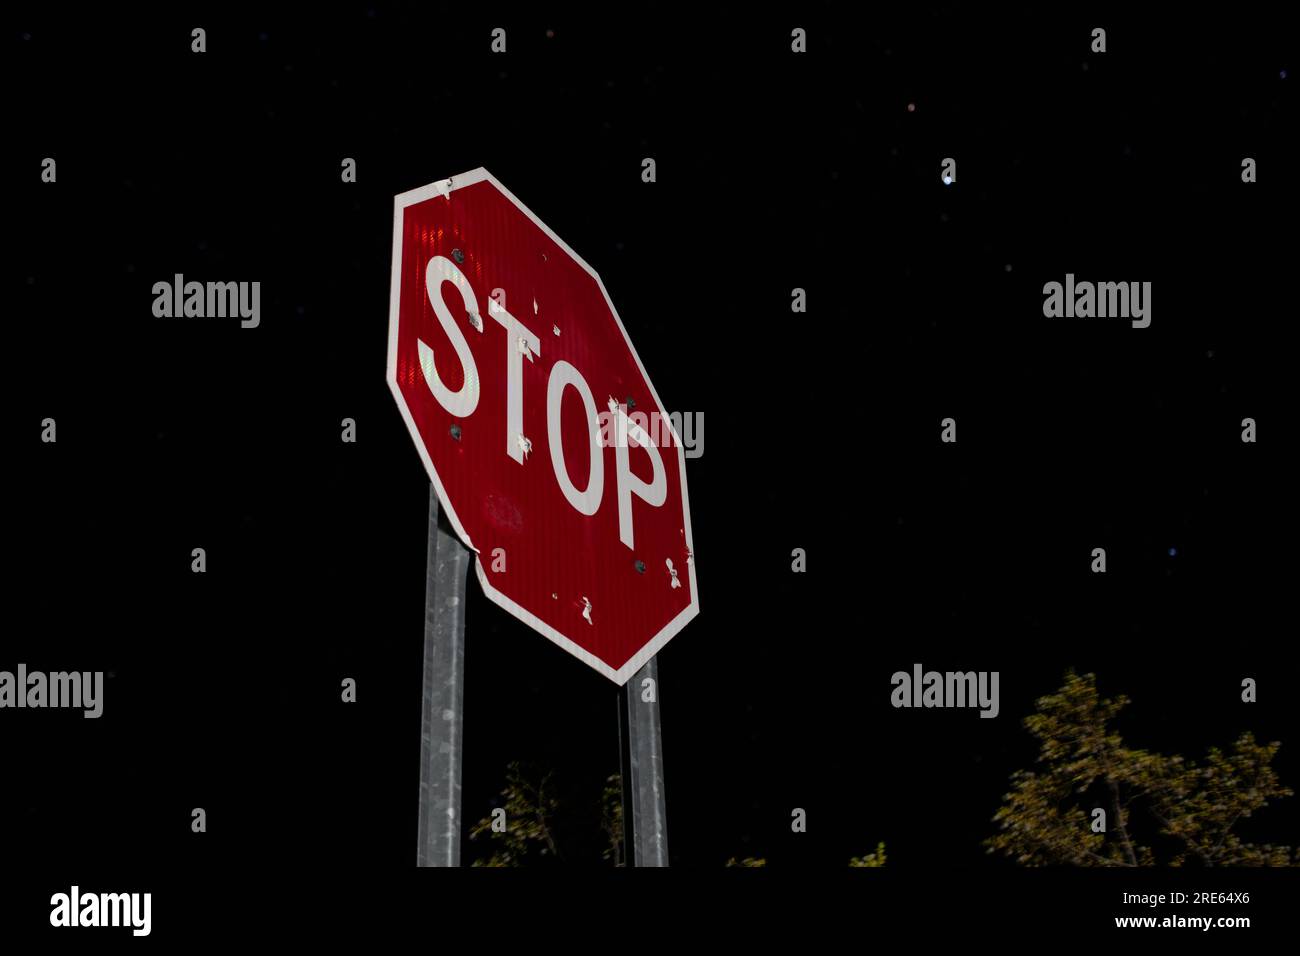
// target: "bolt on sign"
[[548, 447]]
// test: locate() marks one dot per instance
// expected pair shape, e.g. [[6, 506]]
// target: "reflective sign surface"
[[551, 452]]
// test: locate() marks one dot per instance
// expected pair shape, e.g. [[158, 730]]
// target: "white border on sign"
[[638, 660]]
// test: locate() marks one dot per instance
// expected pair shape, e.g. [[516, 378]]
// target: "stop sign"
[[550, 451]]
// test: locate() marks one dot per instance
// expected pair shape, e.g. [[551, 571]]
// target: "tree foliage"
[[532, 825], [1159, 809], [876, 858], [611, 819], [528, 837], [546, 824]]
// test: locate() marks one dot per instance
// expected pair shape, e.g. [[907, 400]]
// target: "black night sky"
[[775, 171]]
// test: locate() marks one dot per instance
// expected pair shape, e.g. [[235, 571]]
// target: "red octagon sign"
[[549, 449]]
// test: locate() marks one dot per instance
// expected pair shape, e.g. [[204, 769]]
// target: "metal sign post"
[[442, 716], [645, 817]]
